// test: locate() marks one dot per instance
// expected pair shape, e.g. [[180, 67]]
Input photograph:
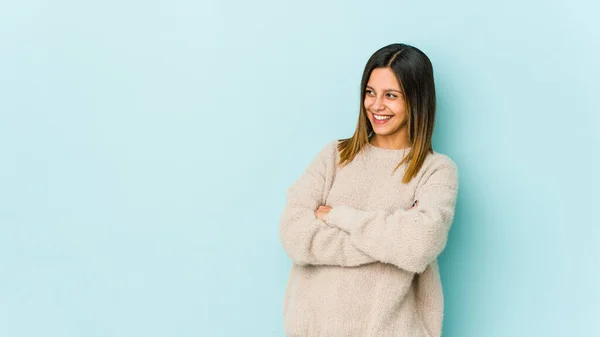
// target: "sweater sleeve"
[[306, 238], [410, 239]]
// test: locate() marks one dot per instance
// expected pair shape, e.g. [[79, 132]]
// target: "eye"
[[368, 91], [392, 95]]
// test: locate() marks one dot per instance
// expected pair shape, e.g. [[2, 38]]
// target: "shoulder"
[[329, 149], [439, 168], [440, 160], [326, 154]]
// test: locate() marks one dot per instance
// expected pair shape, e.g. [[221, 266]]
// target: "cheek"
[[398, 107]]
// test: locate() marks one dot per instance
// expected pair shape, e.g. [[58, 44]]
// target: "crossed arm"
[[410, 239], [306, 238]]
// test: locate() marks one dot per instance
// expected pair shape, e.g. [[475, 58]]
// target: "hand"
[[322, 212], [415, 204]]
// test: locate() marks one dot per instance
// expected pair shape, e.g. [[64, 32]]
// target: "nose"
[[378, 104]]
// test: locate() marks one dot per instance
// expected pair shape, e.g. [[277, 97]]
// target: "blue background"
[[146, 147]]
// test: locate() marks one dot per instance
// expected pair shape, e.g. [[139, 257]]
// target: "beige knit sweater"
[[370, 269]]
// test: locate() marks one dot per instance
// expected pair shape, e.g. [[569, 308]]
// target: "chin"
[[384, 131]]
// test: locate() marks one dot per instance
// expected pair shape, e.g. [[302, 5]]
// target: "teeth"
[[381, 118]]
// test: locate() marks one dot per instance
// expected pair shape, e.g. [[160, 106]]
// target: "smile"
[[382, 117]]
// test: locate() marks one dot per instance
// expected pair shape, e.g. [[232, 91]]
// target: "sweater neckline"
[[380, 151]]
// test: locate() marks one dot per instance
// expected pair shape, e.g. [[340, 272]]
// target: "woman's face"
[[385, 104]]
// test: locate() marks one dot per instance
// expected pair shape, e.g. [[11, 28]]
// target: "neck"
[[392, 142]]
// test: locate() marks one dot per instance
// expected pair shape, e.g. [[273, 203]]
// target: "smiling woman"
[[398, 110], [365, 222]]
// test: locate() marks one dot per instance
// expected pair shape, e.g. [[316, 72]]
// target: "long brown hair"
[[414, 73]]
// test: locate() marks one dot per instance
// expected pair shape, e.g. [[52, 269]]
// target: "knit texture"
[[370, 269]]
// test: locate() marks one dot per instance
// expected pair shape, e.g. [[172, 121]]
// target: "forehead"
[[383, 78]]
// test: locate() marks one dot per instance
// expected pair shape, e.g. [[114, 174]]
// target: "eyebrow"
[[368, 86]]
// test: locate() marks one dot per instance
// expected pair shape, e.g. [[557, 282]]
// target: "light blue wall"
[[146, 147]]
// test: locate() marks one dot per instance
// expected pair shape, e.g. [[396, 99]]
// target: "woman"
[[365, 222]]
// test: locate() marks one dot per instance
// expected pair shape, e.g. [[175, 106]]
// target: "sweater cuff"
[[343, 217]]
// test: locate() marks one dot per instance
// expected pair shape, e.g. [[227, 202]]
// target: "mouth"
[[381, 119]]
